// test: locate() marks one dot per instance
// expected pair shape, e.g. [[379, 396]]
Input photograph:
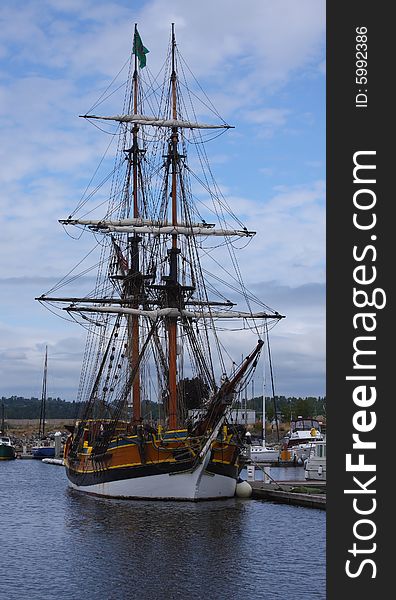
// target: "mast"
[[43, 397], [2, 419], [272, 384], [173, 253], [134, 248], [263, 418]]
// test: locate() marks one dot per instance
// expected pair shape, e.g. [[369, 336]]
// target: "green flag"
[[139, 49]]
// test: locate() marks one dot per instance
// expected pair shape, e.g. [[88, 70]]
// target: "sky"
[[261, 63]]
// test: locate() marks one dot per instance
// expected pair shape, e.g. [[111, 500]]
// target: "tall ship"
[[167, 301]]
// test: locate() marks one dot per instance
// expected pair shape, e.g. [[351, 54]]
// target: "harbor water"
[[60, 544]]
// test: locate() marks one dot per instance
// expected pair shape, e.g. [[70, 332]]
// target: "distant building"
[[244, 416], [240, 416]]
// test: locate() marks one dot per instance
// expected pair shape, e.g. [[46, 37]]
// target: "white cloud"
[[268, 116], [268, 120], [289, 246], [58, 56]]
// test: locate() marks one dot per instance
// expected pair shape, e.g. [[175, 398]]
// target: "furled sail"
[[138, 222], [155, 122], [174, 312], [126, 300], [177, 229]]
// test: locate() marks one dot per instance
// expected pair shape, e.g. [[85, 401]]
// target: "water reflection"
[[60, 543], [169, 545]]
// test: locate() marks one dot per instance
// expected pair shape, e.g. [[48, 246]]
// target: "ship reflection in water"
[[61, 543]]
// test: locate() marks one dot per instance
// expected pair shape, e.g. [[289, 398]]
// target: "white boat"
[[304, 431], [303, 435], [315, 465], [264, 454]]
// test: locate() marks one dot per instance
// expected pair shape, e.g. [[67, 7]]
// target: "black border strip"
[[351, 128]]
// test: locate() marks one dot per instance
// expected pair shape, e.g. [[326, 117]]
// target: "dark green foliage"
[[17, 407], [288, 408], [194, 390]]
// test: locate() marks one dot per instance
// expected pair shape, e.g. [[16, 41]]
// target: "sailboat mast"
[[172, 325], [135, 266], [43, 397], [263, 418]]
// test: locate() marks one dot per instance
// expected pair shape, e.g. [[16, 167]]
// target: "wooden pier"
[[311, 494]]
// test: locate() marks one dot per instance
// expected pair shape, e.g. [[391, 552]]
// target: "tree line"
[[287, 408], [17, 407], [191, 392]]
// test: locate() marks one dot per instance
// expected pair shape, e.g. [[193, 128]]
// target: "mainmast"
[[173, 253], [135, 279]]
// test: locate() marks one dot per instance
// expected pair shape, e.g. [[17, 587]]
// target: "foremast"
[[173, 283], [172, 286]]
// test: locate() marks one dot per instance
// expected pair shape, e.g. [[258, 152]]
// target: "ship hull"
[[200, 484], [44, 452], [120, 473], [265, 455]]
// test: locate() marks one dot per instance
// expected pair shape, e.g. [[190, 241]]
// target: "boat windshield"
[[304, 424], [5, 440]]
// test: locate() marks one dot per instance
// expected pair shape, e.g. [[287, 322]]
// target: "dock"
[[311, 494]]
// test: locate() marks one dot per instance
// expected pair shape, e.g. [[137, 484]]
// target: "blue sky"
[[262, 63]]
